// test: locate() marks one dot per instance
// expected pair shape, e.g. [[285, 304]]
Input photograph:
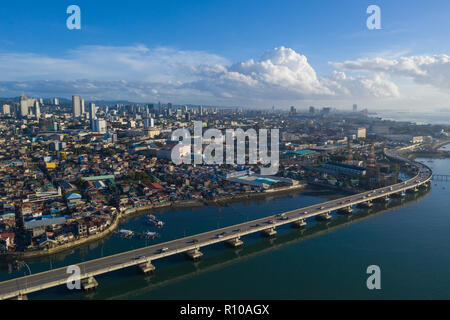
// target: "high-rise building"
[[99, 125], [312, 110], [6, 109], [55, 101], [82, 107], [25, 105], [293, 110], [355, 108], [76, 106], [149, 123], [92, 111], [37, 109]]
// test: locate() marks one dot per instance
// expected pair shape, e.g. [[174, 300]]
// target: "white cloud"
[[132, 63], [283, 74], [279, 76], [432, 70]]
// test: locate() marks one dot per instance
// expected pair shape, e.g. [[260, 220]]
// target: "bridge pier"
[[269, 232], [367, 204], [194, 254], [146, 267], [346, 210], [298, 224], [323, 217], [399, 195], [383, 199], [413, 190], [89, 284], [234, 243]]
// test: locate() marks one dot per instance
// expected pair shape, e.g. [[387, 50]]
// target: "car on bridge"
[[162, 250]]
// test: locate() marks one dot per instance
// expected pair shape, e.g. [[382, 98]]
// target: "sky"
[[231, 53]]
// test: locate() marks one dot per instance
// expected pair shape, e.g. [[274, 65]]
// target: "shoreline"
[[135, 211]]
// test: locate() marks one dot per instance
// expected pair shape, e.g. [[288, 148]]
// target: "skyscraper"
[[82, 107], [25, 104], [6, 109], [355, 108], [92, 113], [37, 109], [149, 123], [76, 106]]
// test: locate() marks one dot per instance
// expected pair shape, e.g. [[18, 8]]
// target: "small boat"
[[123, 233], [154, 221], [150, 235]]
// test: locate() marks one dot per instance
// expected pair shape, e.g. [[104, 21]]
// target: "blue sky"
[[227, 33]]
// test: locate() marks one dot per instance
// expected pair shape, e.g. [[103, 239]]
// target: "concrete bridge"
[[190, 246]]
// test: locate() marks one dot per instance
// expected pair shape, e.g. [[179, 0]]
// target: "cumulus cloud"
[[284, 74], [138, 73], [432, 70]]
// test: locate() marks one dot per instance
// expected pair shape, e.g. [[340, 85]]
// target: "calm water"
[[442, 117], [409, 240]]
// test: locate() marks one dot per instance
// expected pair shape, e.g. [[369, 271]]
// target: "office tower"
[[41, 101], [6, 109], [76, 106], [56, 101], [25, 105], [37, 109], [149, 123], [92, 112], [99, 125], [293, 110], [82, 107], [355, 108]]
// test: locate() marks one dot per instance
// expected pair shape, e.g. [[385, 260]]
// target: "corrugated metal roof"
[[45, 222]]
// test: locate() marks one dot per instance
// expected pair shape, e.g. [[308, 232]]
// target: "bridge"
[[191, 245]]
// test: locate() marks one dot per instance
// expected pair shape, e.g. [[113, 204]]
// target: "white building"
[[25, 105], [149, 123], [6, 109], [99, 125], [76, 106]]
